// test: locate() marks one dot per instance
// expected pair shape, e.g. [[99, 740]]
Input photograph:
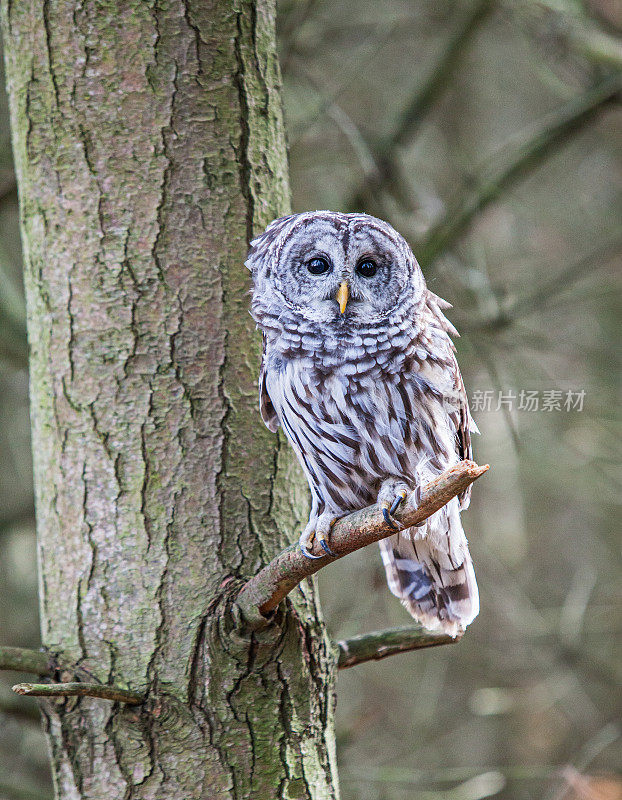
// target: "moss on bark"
[[149, 145]]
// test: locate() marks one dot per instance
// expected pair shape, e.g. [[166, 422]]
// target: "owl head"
[[336, 269]]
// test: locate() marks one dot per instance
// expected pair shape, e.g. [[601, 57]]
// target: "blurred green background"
[[489, 134]]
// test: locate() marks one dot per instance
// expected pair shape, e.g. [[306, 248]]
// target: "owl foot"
[[319, 529], [392, 492]]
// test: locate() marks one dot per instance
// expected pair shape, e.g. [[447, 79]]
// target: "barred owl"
[[359, 369]]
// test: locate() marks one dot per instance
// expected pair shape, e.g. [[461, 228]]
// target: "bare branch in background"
[[516, 162], [114, 693], [275, 581], [523, 306], [493, 373], [437, 81], [377, 645], [416, 110], [574, 31], [588, 41], [21, 659], [376, 37], [345, 124]]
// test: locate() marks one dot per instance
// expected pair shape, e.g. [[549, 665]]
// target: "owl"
[[359, 369]]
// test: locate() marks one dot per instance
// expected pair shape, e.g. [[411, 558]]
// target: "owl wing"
[[460, 415], [431, 570], [464, 424], [268, 412]]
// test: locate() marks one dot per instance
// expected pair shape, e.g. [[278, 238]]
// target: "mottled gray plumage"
[[371, 399]]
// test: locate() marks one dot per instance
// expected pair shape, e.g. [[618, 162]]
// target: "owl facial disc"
[[337, 271]]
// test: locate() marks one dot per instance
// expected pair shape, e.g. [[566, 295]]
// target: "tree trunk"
[[149, 146]]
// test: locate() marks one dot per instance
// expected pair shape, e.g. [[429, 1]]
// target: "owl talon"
[[392, 492], [388, 520], [317, 532], [399, 499], [306, 553], [327, 549]]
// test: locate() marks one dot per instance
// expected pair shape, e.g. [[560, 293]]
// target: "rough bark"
[[149, 145]]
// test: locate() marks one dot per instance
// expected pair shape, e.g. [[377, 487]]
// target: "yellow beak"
[[342, 296]]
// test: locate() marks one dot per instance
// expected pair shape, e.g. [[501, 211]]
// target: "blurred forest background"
[[490, 134]]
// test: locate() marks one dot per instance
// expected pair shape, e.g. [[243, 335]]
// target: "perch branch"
[[114, 693], [377, 645], [22, 660], [276, 580]]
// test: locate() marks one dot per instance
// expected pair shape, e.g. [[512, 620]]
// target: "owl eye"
[[367, 268], [318, 266]]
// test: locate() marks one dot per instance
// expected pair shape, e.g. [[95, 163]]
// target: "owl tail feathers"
[[436, 593]]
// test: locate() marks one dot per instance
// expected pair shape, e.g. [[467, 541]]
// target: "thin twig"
[[417, 108], [345, 124], [529, 303], [22, 660], [114, 693], [491, 367], [415, 111], [517, 163], [380, 644], [574, 30], [263, 592]]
